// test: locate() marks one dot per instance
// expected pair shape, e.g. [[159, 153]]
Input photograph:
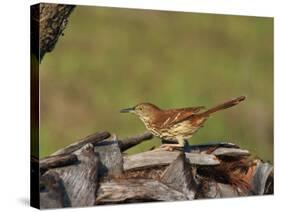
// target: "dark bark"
[[127, 143], [57, 161], [92, 139], [48, 22]]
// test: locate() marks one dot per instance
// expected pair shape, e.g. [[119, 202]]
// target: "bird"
[[176, 125]]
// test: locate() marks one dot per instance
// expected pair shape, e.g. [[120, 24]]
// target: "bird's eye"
[[141, 108]]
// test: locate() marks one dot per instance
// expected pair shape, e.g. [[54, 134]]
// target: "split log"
[[202, 159], [149, 159], [179, 176], [230, 152], [102, 175], [110, 158], [52, 192], [212, 189], [262, 181], [80, 180], [160, 157], [136, 190]]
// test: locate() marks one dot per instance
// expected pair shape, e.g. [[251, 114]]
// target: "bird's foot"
[[170, 147]]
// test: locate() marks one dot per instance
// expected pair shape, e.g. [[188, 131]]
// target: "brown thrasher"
[[176, 125]]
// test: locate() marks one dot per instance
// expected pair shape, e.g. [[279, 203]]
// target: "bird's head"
[[145, 111]]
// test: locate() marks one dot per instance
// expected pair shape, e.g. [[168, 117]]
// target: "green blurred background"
[[112, 58]]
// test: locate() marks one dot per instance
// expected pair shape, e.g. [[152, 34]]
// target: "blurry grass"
[[114, 58]]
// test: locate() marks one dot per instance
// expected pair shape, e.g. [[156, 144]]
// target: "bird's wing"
[[174, 116]]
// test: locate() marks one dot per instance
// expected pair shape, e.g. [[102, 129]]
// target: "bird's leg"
[[171, 147], [187, 147]]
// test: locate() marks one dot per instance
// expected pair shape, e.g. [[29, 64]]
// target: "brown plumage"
[[176, 124]]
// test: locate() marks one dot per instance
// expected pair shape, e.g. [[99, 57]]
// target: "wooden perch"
[[93, 139], [94, 171], [127, 143], [57, 161], [149, 159]]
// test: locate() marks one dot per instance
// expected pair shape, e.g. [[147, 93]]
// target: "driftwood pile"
[[95, 171]]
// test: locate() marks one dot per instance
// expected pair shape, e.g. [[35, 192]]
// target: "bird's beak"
[[127, 110]]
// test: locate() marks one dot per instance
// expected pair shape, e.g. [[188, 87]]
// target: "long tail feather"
[[225, 105]]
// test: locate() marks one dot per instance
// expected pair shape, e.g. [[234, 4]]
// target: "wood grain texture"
[[149, 159], [212, 189], [262, 180], [80, 180], [110, 158], [202, 159], [52, 191], [231, 152], [179, 176], [136, 190]]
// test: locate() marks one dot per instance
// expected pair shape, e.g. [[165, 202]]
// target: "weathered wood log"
[[110, 158], [203, 147], [57, 161], [149, 159], [93, 139], [136, 190], [262, 181], [212, 189], [179, 176], [127, 143], [160, 157], [230, 152], [80, 180], [102, 175], [52, 192], [48, 22], [202, 159]]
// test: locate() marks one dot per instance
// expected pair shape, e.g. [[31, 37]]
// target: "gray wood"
[[232, 152], [179, 176], [149, 159], [136, 190], [202, 159], [127, 143], [212, 189], [260, 178], [80, 180], [93, 139], [52, 192], [203, 147], [110, 158]]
